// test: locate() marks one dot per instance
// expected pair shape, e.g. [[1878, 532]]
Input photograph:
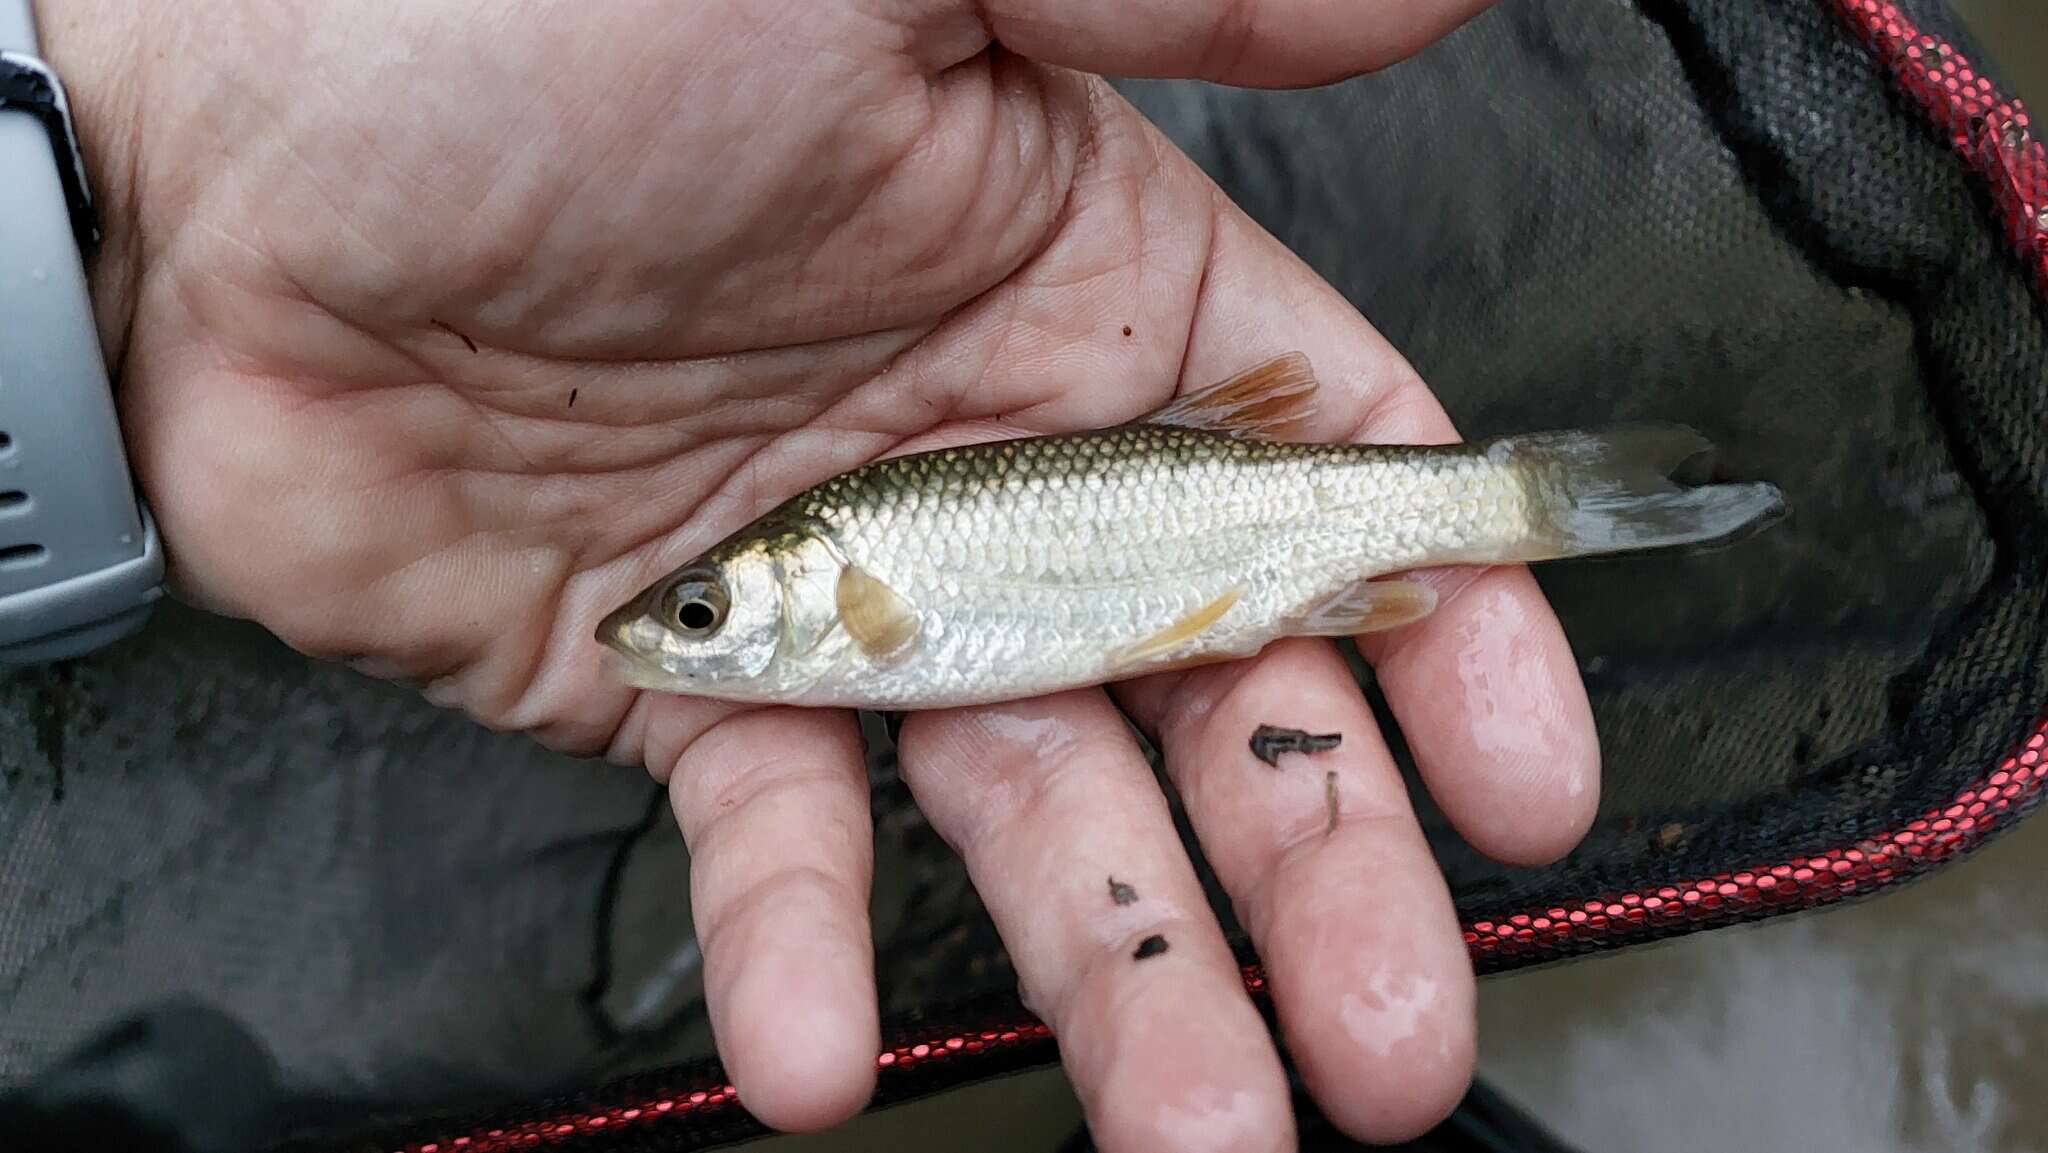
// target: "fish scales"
[[1071, 547], [1007, 570]]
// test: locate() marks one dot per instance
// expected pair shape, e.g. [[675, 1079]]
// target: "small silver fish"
[[1012, 569]]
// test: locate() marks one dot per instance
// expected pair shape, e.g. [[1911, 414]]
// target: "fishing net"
[[278, 900]]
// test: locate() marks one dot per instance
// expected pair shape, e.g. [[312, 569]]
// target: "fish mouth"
[[636, 672], [632, 641], [613, 631], [624, 629]]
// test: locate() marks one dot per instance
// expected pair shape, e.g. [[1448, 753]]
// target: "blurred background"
[[1914, 1023], [393, 901]]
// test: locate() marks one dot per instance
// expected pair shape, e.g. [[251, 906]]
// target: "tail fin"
[[1610, 491]]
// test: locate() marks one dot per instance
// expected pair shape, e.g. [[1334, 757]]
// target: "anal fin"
[[1263, 402], [1369, 606], [1176, 634]]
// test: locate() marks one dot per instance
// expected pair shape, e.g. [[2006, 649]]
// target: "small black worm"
[[1269, 741]]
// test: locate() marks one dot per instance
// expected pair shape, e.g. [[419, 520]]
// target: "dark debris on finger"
[[1270, 741]]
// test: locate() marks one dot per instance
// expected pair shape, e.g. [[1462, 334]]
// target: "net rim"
[[694, 1106]]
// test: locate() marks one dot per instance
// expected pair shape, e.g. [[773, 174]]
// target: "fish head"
[[710, 628]]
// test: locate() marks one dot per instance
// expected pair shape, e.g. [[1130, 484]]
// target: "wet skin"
[[442, 331]]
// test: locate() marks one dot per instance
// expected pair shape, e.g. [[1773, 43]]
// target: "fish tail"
[[1612, 491]]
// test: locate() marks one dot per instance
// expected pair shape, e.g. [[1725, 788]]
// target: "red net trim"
[[1991, 133], [1496, 943], [1989, 130], [710, 1104], [1870, 866], [1804, 883]]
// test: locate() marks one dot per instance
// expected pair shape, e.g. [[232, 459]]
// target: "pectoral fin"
[[1176, 634], [879, 620], [1369, 606], [1264, 402]]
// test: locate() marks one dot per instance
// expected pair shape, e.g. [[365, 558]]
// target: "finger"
[[773, 805], [1270, 43], [1485, 689], [1052, 806], [1330, 873]]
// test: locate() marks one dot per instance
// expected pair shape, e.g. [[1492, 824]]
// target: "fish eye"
[[697, 604]]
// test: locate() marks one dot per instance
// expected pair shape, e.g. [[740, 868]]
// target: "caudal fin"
[[1611, 491]]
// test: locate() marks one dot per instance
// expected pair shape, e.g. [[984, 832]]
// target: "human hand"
[[709, 255]]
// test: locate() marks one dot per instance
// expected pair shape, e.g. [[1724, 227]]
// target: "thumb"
[[1256, 43]]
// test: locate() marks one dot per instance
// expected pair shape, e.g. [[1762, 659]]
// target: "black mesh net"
[[1802, 226], [1734, 221]]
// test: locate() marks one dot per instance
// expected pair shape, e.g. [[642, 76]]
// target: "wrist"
[[94, 48]]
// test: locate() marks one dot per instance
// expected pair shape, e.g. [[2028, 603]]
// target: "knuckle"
[[979, 773], [1098, 986], [733, 923], [734, 763], [1198, 699]]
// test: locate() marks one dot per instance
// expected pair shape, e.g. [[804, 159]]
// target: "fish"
[[1200, 533]]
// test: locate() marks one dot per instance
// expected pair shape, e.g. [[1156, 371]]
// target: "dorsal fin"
[[1263, 402]]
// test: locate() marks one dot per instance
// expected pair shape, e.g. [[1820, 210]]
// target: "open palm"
[[445, 328]]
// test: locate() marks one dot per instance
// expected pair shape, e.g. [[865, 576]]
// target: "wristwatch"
[[80, 562]]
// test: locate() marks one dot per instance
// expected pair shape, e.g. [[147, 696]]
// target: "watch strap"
[[80, 561], [17, 27]]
